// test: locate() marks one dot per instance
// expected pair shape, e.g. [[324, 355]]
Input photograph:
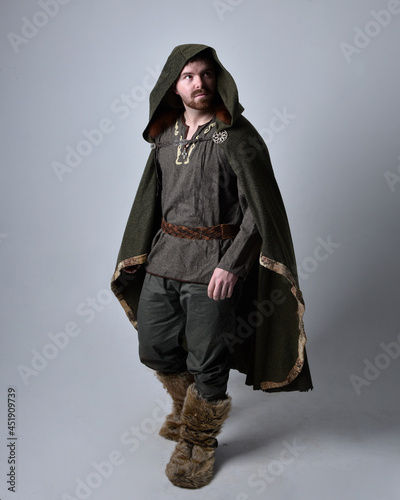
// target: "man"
[[206, 270]]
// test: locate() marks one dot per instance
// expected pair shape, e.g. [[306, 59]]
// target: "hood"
[[165, 105]]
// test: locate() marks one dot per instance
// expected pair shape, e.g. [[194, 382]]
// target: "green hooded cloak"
[[269, 342]]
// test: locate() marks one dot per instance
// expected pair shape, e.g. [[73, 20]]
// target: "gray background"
[[336, 156]]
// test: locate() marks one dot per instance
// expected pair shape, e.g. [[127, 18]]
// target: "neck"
[[196, 117]]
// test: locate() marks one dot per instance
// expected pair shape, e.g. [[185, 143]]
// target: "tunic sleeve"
[[245, 248]]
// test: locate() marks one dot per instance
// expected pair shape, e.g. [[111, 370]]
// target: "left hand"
[[221, 284]]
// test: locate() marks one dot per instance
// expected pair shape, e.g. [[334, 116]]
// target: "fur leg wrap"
[[192, 463], [176, 385]]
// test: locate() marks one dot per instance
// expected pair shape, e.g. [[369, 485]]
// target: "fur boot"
[[176, 385], [192, 463]]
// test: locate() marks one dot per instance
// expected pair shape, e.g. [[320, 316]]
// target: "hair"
[[204, 55]]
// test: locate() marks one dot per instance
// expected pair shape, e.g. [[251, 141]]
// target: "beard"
[[202, 103]]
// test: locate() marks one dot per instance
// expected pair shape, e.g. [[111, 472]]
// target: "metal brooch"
[[219, 137]]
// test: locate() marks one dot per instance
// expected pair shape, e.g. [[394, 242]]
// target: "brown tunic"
[[199, 188]]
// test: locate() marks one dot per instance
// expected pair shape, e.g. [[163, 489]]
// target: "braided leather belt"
[[220, 232]]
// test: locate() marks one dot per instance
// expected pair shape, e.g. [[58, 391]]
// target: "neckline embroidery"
[[185, 146]]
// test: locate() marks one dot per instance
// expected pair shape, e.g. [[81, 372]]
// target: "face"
[[196, 84]]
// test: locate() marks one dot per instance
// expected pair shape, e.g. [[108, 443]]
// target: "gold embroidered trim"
[[206, 130], [279, 268], [185, 150], [132, 261]]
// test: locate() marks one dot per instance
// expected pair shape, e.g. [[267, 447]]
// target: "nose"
[[198, 81]]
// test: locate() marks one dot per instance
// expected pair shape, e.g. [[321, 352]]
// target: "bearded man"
[[206, 270]]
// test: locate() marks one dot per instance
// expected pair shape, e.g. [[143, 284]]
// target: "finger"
[[216, 293], [231, 287], [223, 291], [210, 289]]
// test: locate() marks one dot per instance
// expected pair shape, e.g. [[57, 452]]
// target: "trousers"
[[181, 329]]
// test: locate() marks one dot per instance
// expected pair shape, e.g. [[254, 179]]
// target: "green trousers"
[[181, 329]]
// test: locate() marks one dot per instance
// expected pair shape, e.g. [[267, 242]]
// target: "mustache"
[[198, 92]]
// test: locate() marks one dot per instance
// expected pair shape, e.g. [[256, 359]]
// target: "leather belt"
[[220, 232]]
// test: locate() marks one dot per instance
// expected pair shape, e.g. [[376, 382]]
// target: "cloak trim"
[[116, 289], [279, 268]]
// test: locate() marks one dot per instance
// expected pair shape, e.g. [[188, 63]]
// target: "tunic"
[[200, 189]]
